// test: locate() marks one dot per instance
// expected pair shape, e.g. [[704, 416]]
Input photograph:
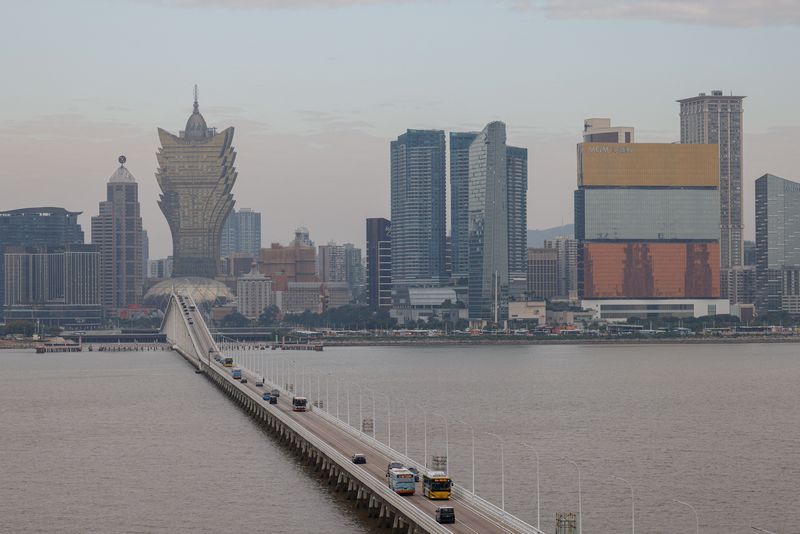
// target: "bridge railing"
[[460, 493], [376, 486]]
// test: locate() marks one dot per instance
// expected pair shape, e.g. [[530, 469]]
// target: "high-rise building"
[[145, 252], [379, 263], [196, 176], [161, 268], [542, 273], [567, 248], [601, 131], [292, 263], [117, 233], [56, 286], [418, 208], [241, 233], [301, 237], [459, 202], [777, 244], [716, 119], [517, 176], [648, 234], [332, 264], [488, 226], [254, 293], [36, 227], [354, 269]]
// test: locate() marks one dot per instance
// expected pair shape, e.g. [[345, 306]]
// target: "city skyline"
[[300, 137]]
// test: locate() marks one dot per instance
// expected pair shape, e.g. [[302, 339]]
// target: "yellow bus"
[[436, 485]]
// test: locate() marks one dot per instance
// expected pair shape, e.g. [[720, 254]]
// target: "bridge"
[[327, 443]]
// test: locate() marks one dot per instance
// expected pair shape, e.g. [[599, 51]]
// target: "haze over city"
[[316, 90]]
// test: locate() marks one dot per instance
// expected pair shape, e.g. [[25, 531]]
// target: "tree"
[[235, 320], [26, 328], [269, 316]]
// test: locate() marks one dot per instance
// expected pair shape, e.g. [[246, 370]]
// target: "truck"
[[237, 374]]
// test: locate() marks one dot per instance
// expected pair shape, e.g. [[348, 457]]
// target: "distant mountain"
[[536, 237]]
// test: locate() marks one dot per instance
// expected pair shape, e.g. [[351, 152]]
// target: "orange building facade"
[[651, 270]]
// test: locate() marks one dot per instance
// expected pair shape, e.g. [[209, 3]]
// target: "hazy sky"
[[316, 89]]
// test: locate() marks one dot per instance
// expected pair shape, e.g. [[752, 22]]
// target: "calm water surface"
[[138, 443]]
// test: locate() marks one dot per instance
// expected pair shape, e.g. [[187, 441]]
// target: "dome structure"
[[196, 127], [204, 291], [122, 174]]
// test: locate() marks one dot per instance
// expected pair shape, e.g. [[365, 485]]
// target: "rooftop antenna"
[[196, 106]]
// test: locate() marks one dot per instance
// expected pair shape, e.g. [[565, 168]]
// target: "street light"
[[446, 440], [580, 515], [389, 417], [692, 508], [502, 474], [372, 394], [472, 429], [633, 504], [424, 433], [531, 447]]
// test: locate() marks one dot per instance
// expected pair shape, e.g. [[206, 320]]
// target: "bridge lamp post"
[[696, 517], [530, 447], [424, 433], [472, 430], [372, 394], [580, 515], [502, 473], [446, 440], [633, 503], [389, 418]]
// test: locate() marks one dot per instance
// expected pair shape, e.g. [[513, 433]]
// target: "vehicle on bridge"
[[228, 362], [275, 393], [401, 481], [359, 458], [436, 485], [415, 471], [273, 399], [266, 396], [299, 404], [394, 465], [237, 374], [259, 382], [445, 514]]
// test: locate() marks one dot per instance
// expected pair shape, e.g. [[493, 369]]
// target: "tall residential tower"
[[117, 232], [716, 119], [418, 208]]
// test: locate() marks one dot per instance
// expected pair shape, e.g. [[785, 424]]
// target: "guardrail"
[[460, 493], [413, 513]]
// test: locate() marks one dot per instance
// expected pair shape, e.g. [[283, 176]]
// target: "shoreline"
[[427, 342], [444, 342]]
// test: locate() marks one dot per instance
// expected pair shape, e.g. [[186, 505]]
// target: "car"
[[266, 396], [445, 514], [244, 380], [415, 471], [275, 393], [273, 399], [394, 465], [359, 458]]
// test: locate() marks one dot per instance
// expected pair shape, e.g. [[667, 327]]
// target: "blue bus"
[[237, 374], [401, 481]]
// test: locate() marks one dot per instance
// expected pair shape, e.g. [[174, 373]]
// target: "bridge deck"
[[469, 519]]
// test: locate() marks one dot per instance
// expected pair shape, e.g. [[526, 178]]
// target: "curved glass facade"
[[647, 214]]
